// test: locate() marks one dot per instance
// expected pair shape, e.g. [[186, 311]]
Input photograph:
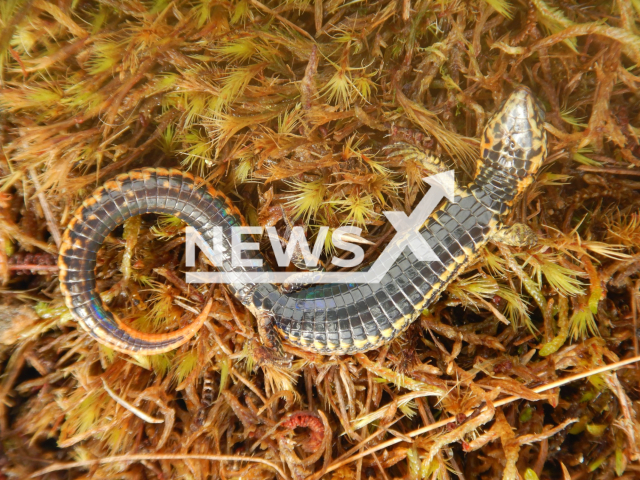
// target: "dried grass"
[[287, 108]]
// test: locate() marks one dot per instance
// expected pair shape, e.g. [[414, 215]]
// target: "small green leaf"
[[577, 428], [596, 464], [621, 462], [595, 429], [225, 366], [580, 158], [9, 248], [530, 475], [598, 382], [526, 415], [587, 397], [109, 354]]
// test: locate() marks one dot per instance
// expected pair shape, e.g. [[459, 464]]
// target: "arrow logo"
[[408, 228]]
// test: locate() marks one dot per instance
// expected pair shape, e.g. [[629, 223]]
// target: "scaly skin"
[[335, 319]]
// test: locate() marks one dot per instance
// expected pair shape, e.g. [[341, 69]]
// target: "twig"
[[612, 171], [249, 384], [27, 266], [384, 475], [317, 13], [56, 467], [499, 403], [634, 313], [398, 379], [493, 309], [234, 314], [183, 286], [188, 308], [17, 58], [51, 221], [136, 411]]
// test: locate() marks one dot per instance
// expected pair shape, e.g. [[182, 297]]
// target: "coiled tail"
[[135, 193]]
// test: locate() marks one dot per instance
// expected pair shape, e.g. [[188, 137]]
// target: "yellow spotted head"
[[512, 148]]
